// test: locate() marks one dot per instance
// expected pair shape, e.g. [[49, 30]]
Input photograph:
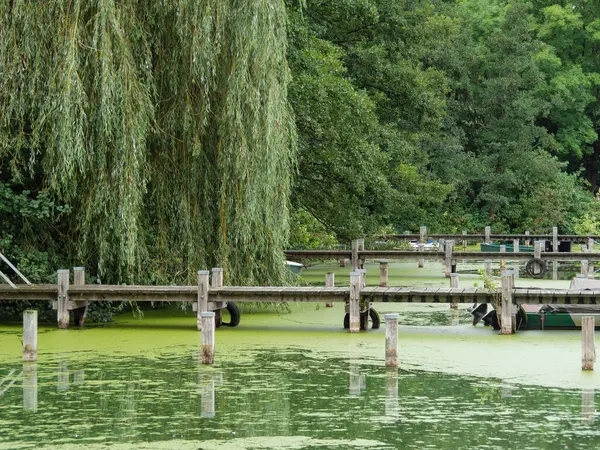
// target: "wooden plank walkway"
[[295, 294]]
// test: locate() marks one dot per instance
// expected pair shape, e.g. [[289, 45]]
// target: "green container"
[[509, 248]]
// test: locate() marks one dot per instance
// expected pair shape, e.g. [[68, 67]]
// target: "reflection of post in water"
[[30, 390], [355, 379], [79, 377], [207, 383], [455, 317], [588, 407], [391, 393], [506, 391], [63, 376]]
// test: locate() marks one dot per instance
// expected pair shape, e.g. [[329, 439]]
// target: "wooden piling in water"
[[506, 316], [208, 336], [487, 266], [454, 284], [584, 268], [30, 324], [354, 259], [421, 261], [81, 307], [63, 298], [361, 248], [202, 296], [516, 246], [488, 232], [590, 249], [363, 277], [383, 272], [423, 235], [527, 241], [588, 348], [554, 239], [329, 282], [464, 242], [448, 260], [391, 340], [216, 281], [354, 303]]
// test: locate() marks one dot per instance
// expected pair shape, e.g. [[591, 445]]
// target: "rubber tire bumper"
[[235, 314], [529, 267], [373, 315]]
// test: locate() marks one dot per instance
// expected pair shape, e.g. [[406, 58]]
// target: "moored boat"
[[295, 267]]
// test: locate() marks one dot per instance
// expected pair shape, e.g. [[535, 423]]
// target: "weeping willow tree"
[[164, 124]]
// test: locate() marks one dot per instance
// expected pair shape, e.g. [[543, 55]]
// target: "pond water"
[[297, 380]]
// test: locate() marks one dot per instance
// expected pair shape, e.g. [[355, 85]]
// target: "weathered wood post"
[[361, 248], [516, 246], [454, 285], [487, 266], [421, 261], [383, 272], [63, 298], [537, 253], [329, 282], [30, 389], [423, 235], [527, 241], [590, 249], [488, 233], [30, 324], [448, 255], [554, 239], [584, 268], [464, 242], [506, 326], [202, 296], [391, 340], [81, 307], [502, 262], [342, 262], [354, 255], [208, 336], [354, 306], [588, 347], [216, 281]]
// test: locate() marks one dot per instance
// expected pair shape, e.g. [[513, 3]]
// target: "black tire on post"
[[347, 321], [521, 319], [218, 318], [234, 312], [495, 320], [541, 263], [373, 315]]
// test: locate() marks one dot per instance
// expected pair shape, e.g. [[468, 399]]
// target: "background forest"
[[146, 142]]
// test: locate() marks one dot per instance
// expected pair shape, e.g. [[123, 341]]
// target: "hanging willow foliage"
[[164, 124]]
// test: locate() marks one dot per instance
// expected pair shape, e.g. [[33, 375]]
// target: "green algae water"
[[296, 380]]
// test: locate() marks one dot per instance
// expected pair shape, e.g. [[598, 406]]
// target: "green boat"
[[295, 267], [509, 248]]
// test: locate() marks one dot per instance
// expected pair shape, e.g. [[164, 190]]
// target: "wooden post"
[[537, 253], [588, 348], [590, 249], [216, 281], [81, 308], [487, 265], [329, 282], [421, 261], [449, 245], [354, 307], [488, 232], [464, 240], [527, 241], [516, 246], [584, 268], [423, 235], [454, 285], [363, 277], [354, 255], [30, 323], [502, 262], [63, 298], [555, 270], [554, 239], [208, 336], [30, 389], [361, 248], [506, 326], [383, 272], [202, 296], [342, 262], [391, 340]]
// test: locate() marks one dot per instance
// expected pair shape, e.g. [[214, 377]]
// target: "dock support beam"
[[361, 248], [354, 307], [391, 340], [527, 241], [448, 252], [63, 298], [590, 249], [203, 276], [554, 239], [487, 266], [506, 316], [421, 261], [464, 242], [30, 323], [80, 312], [216, 281], [516, 246], [488, 232], [329, 282], [354, 255], [208, 337], [383, 272], [454, 285], [588, 347]]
